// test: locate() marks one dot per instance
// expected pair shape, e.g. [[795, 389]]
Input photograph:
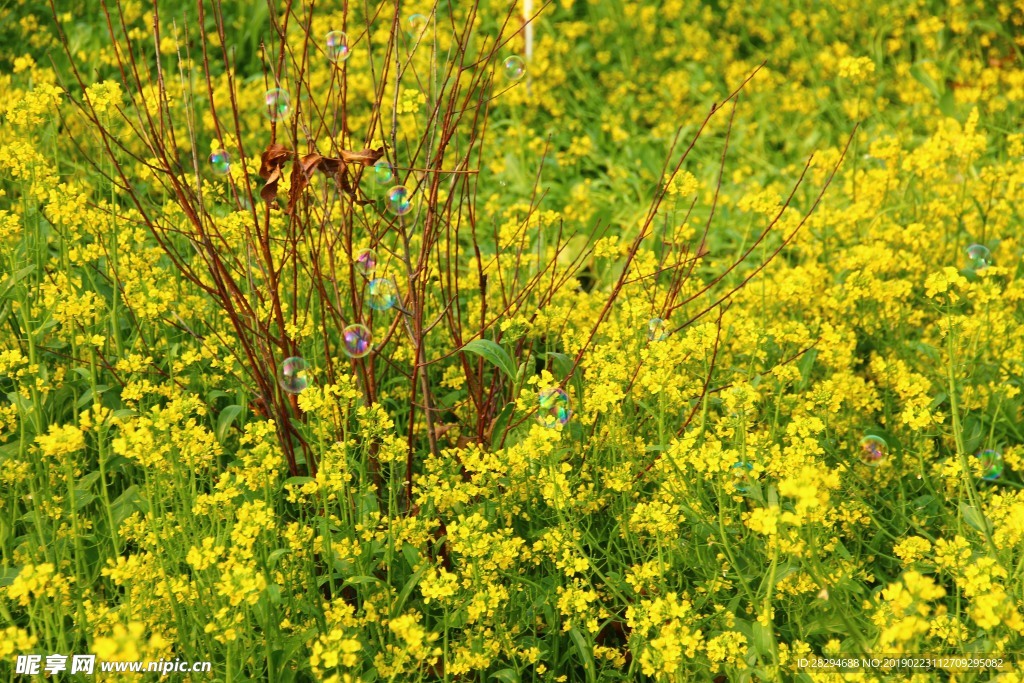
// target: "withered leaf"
[[271, 162], [367, 157], [276, 155], [273, 159], [301, 173]]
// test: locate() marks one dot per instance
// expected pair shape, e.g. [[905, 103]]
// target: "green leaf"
[[127, 503], [87, 397], [14, 278], [225, 420], [806, 365], [947, 103], [84, 484], [762, 639], [586, 654], [501, 422], [412, 555], [493, 354], [973, 517], [827, 625], [215, 394], [9, 450], [8, 574], [506, 676], [283, 657], [407, 591], [923, 77], [273, 557], [83, 499]]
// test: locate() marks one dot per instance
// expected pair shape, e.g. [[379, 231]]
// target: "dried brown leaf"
[[301, 173], [271, 163], [367, 157], [273, 158]]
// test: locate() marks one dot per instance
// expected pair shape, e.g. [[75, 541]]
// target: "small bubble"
[[515, 67], [979, 256], [220, 162], [293, 375], [381, 294], [337, 46], [383, 172], [873, 450], [366, 261], [277, 104], [399, 200], [657, 330], [991, 464], [417, 25], [554, 407], [357, 340], [741, 474]]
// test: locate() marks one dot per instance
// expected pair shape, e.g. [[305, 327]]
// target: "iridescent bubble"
[[657, 330], [357, 340], [991, 464], [554, 407], [873, 450], [381, 294], [220, 162], [366, 261], [741, 475], [515, 67], [293, 375], [979, 256], [417, 24], [399, 200], [383, 172], [277, 104], [337, 46]]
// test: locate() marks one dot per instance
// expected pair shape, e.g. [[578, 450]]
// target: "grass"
[[792, 193]]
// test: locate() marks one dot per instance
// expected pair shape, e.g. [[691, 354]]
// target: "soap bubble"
[[417, 25], [337, 46], [357, 340], [399, 200], [277, 104], [979, 256], [220, 161], [657, 330], [991, 464], [383, 172], [515, 67], [293, 375], [873, 450], [554, 407], [381, 294], [741, 476], [366, 261]]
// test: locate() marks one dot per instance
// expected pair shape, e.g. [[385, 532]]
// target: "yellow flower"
[[946, 280], [61, 441], [856, 69], [912, 549]]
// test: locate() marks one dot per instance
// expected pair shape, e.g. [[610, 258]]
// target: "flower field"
[[674, 340]]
